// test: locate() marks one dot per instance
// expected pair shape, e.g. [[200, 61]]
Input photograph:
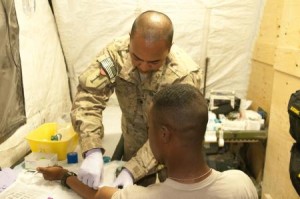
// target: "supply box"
[[40, 139]]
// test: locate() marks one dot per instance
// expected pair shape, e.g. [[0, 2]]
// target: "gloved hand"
[[124, 179], [91, 169]]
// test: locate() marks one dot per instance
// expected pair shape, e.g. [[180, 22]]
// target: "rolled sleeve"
[[143, 163]]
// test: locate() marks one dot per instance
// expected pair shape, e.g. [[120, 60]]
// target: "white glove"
[[91, 169], [124, 179]]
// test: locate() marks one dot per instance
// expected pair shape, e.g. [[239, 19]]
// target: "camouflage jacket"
[[111, 71]]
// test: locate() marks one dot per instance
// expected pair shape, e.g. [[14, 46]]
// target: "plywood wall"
[[275, 75], [261, 79], [276, 180]]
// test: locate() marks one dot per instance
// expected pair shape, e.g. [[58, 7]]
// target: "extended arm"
[[58, 173], [142, 164], [90, 101], [94, 89]]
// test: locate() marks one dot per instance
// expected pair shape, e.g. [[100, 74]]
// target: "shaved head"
[[153, 26]]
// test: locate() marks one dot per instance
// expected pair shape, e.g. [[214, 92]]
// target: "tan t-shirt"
[[233, 184]]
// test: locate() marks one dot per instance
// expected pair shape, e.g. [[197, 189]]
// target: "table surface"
[[31, 185]]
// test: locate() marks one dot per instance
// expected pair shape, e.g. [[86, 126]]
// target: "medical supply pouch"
[[295, 166], [294, 115]]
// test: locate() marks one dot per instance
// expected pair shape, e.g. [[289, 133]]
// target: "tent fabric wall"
[[45, 80], [12, 111], [224, 31], [85, 27]]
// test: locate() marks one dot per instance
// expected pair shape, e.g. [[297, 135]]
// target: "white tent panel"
[[45, 81], [87, 26], [224, 31], [232, 32]]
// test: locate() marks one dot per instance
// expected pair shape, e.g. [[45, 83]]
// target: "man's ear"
[[165, 134]]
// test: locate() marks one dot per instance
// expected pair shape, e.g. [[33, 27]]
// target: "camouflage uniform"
[[134, 95]]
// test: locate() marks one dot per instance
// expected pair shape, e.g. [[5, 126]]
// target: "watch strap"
[[65, 176]]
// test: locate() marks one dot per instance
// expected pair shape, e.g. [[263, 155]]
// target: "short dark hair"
[[182, 108], [162, 30]]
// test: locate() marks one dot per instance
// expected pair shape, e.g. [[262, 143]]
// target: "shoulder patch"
[[109, 68], [93, 79]]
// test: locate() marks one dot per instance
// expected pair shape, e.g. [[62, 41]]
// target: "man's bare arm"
[[57, 173], [87, 192]]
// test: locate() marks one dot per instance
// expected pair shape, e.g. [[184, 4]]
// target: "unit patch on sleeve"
[[95, 80]]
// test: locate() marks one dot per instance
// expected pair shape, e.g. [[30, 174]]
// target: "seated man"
[[177, 122]]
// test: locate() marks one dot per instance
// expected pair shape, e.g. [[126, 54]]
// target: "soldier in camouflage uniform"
[[135, 67]]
